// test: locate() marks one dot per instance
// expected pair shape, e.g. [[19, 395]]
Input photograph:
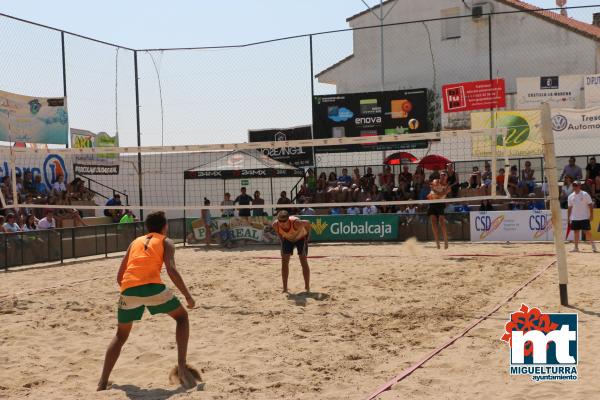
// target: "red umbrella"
[[401, 157], [434, 161]]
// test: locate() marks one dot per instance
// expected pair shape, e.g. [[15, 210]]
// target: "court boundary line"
[[408, 371]]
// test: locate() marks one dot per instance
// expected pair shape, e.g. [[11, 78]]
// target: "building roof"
[[588, 30], [337, 64]]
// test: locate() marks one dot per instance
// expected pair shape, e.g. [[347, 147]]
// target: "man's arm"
[[307, 226], [123, 267], [569, 213], [169, 259]]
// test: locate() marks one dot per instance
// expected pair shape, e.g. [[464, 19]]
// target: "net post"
[[139, 133], [494, 165], [551, 173]]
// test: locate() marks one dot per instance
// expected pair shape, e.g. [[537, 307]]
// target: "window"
[[451, 27]]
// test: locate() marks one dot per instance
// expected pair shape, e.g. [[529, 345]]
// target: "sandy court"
[[374, 310]]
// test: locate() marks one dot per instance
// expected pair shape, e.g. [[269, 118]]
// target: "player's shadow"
[[583, 311], [301, 299], [137, 393]]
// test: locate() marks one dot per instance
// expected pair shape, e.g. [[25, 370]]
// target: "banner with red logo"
[[478, 95]]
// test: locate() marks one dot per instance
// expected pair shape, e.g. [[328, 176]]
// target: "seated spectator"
[[387, 195], [434, 175], [243, 200], [11, 226], [127, 218], [386, 179], [227, 212], [322, 182], [257, 200], [356, 177], [24, 211], [592, 169], [404, 181], [418, 182], [486, 176], [30, 223], [303, 194], [48, 222], [475, 178], [225, 236], [527, 178], [486, 205], [307, 210], [311, 181], [513, 182], [6, 188], [369, 210], [353, 210], [28, 186], [514, 205], [453, 180], [344, 179], [367, 180], [67, 213], [115, 201], [19, 180], [535, 205], [500, 181], [565, 191], [40, 189], [572, 170], [2, 220], [332, 184], [59, 186], [283, 199]]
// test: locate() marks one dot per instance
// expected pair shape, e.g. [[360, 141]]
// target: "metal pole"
[[64, 73], [382, 56], [139, 134], [272, 200], [551, 173], [490, 46], [184, 214]]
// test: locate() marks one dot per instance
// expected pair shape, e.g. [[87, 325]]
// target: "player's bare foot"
[[186, 378], [102, 386], [438, 245], [445, 246]]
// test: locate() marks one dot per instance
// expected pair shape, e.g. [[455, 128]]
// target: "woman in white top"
[[11, 226], [30, 223]]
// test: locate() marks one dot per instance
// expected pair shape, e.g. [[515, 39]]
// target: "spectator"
[[566, 191], [28, 186], [207, 219], [453, 181], [486, 205], [257, 200], [115, 201], [596, 191], [434, 175], [486, 176], [311, 181], [386, 179], [513, 182], [332, 183], [369, 210], [59, 186], [418, 182], [70, 213], [475, 178], [48, 222], [322, 182], [307, 210], [303, 193], [19, 185], [227, 212], [404, 181], [6, 188], [127, 218], [367, 180], [40, 188], [243, 200], [335, 210], [353, 210], [2, 220], [344, 179], [30, 223], [225, 236], [580, 213], [11, 226], [592, 169], [527, 178], [283, 199], [573, 170], [500, 181], [356, 177]]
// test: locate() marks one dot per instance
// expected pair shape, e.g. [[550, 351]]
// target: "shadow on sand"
[[301, 298], [136, 393]]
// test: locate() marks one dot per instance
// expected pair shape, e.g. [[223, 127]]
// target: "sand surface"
[[373, 311]]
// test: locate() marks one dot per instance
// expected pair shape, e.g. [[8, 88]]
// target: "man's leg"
[[305, 272], [434, 222], [588, 237], [576, 235], [442, 220], [113, 352], [182, 335], [285, 270]]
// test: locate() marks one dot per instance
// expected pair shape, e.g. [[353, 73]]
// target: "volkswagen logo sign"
[[559, 123]]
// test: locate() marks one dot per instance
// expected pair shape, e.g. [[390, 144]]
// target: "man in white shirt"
[[580, 215], [48, 222], [369, 210], [59, 186]]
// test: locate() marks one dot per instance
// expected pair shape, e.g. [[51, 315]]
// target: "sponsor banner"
[[342, 228], [83, 139], [244, 173], [296, 156], [523, 137], [370, 114], [591, 90], [559, 91], [254, 229], [520, 225], [478, 95], [33, 119], [571, 123], [596, 225], [86, 169], [49, 167]]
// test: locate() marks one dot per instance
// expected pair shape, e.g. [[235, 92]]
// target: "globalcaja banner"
[[254, 229], [523, 137], [352, 228], [370, 114], [520, 225], [33, 119], [296, 156], [478, 95], [559, 91]]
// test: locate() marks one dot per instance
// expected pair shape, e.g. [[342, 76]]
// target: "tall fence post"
[[64, 71], [139, 133]]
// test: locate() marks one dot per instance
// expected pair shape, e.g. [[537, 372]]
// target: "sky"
[[208, 96]]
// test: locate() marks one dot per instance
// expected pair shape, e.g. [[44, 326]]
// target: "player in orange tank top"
[[141, 287], [293, 233]]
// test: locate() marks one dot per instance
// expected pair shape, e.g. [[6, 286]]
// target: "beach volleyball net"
[[344, 172]]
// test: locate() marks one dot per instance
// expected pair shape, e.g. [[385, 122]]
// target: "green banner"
[[351, 228]]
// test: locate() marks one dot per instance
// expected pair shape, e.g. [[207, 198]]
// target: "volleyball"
[[413, 124]]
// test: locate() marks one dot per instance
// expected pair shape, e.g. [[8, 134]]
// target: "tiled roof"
[[337, 64]]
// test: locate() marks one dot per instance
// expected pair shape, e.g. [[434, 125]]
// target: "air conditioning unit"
[[479, 9]]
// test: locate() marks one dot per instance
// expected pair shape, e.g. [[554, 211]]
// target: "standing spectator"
[[369, 210], [30, 223], [592, 169], [243, 200], [311, 181], [566, 191], [11, 226], [257, 200], [115, 214], [283, 199], [573, 170], [580, 214], [48, 222], [596, 191], [227, 212], [207, 218], [452, 180], [527, 178], [59, 186]]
